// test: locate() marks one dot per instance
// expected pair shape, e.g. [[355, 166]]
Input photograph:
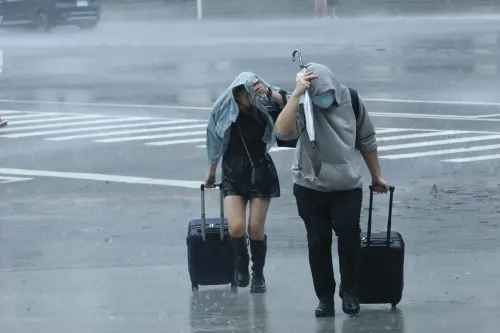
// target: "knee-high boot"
[[259, 251], [242, 260]]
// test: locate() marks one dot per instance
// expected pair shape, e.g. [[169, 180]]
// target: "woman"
[[241, 131]]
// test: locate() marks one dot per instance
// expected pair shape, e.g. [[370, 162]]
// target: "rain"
[[103, 116]]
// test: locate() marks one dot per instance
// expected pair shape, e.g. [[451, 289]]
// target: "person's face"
[[243, 100]]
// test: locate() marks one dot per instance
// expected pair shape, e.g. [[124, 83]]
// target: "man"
[[327, 180]]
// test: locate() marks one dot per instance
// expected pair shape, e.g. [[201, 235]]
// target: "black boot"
[[259, 250], [350, 301], [326, 308], [242, 261]]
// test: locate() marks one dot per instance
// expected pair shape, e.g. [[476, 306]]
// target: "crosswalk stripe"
[[16, 112], [146, 130], [34, 115], [174, 142], [78, 123], [390, 130], [148, 137], [96, 128], [48, 120], [440, 152], [474, 159], [439, 142], [419, 135]]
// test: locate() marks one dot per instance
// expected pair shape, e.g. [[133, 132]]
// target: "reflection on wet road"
[[106, 138]]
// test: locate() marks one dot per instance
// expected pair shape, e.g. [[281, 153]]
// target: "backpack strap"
[[355, 102]]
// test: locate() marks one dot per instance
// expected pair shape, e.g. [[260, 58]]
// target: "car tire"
[[42, 21]]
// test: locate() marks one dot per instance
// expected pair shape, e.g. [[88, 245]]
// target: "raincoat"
[[225, 111]]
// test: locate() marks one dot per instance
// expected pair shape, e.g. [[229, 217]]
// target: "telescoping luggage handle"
[[389, 219], [204, 217]]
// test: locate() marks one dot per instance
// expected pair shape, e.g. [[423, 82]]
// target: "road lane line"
[[96, 128], [5, 180], [102, 177], [90, 122], [438, 142], [48, 120], [439, 152], [474, 159], [148, 137], [174, 142], [146, 130], [420, 135], [18, 112], [34, 115], [390, 130], [162, 106]]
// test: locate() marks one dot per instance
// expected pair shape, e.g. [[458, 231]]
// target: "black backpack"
[[355, 107]]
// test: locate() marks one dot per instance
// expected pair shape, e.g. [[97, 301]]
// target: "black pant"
[[323, 212]]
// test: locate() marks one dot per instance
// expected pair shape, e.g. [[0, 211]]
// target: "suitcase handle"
[[204, 217], [389, 219]]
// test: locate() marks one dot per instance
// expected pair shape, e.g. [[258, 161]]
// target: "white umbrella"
[[305, 100]]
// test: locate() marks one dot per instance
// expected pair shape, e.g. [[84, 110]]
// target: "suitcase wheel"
[[394, 304], [194, 286], [234, 286]]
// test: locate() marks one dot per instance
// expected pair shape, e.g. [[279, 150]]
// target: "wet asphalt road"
[[87, 249]]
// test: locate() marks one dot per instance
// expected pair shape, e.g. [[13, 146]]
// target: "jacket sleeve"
[[214, 141], [366, 139], [300, 123]]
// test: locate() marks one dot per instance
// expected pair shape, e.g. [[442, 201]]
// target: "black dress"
[[236, 164]]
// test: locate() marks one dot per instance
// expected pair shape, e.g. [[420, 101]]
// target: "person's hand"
[[304, 83], [380, 185], [259, 89], [210, 178]]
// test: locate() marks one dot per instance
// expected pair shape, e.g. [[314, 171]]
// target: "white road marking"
[[419, 101], [148, 137], [390, 130], [146, 130], [19, 111], [439, 142], [430, 116], [419, 135], [33, 115], [174, 142], [160, 106], [90, 122], [4, 180], [440, 152], [474, 159], [96, 128], [48, 120], [103, 177], [488, 115]]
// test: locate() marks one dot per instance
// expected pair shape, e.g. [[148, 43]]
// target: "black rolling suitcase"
[[211, 258], [381, 262]]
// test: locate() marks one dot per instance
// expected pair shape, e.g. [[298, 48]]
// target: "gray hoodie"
[[335, 164]]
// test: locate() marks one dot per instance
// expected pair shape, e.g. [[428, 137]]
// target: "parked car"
[[46, 14]]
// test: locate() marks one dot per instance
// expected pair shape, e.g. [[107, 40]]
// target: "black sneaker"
[[326, 308], [350, 303], [3, 123], [258, 284]]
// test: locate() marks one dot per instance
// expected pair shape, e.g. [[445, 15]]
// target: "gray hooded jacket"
[[335, 164]]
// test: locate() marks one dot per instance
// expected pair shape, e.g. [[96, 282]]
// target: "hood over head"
[[226, 101], [325, 81]]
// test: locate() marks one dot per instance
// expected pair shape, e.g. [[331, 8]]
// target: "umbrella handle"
[[301, 62]]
